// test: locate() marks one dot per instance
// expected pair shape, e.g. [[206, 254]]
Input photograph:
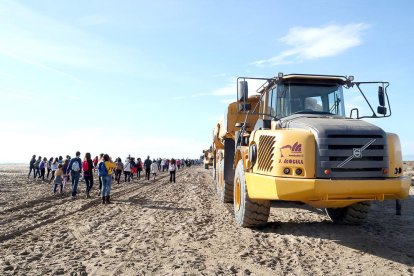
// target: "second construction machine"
[[293, 142]]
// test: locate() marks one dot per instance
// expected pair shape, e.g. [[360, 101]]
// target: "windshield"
[[287, 99]]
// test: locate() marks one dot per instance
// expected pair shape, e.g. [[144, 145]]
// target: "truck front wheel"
[[356, 213], [248, 212]]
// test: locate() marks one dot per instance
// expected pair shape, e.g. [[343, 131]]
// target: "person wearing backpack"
[[147, 165], [31, 166], [127, 170], [172, 168], [74, 169], [119, 169], [105, 169], [87, 168]]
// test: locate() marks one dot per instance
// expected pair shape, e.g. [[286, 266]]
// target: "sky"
[[153, 77]]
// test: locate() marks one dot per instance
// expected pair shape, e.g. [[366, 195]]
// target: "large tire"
[[229, 150], [224, 190], [248, 212], [356, 213]]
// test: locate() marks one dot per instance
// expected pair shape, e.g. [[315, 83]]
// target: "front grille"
[[265, 153], [352, 156]]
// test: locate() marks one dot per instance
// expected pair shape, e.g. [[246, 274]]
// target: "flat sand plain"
[[158, 228]]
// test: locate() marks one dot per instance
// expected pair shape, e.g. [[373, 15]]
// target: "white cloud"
[[314, 43]]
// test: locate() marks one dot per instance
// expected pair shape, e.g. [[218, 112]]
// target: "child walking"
[[154, 168], [58, 179]]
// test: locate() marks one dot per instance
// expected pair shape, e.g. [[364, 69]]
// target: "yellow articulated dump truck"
[[292, 141], [208, 158]]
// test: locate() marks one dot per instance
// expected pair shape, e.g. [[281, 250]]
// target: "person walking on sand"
[[163, 165], [31, 166], [139, 168], [87, 168], [49, 167], [42, 168], [106, 168], [53, 168], [154, 168], [74, 169], [99, 175], [127, 170], [118, 170], [36, 166], [65, 172], [58, 179], [147, 165], [172, 168], [95, 163], [133, 167]]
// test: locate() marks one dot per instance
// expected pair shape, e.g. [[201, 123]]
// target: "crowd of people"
[[61, 171]]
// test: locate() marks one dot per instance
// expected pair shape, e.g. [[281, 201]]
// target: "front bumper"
[[324, 193]]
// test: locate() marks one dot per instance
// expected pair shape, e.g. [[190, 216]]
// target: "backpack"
[[102, 169], [75, 166], [119, 166], [85, 165]]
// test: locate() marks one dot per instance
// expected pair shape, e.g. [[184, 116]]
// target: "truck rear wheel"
[[356, 213], [224, 190], [248, 212]]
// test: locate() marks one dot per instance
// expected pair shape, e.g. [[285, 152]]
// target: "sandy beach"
[[159, 228]]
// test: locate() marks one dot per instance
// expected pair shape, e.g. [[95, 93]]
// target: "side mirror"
[[243, 91], [381, 96], [382, 110]]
